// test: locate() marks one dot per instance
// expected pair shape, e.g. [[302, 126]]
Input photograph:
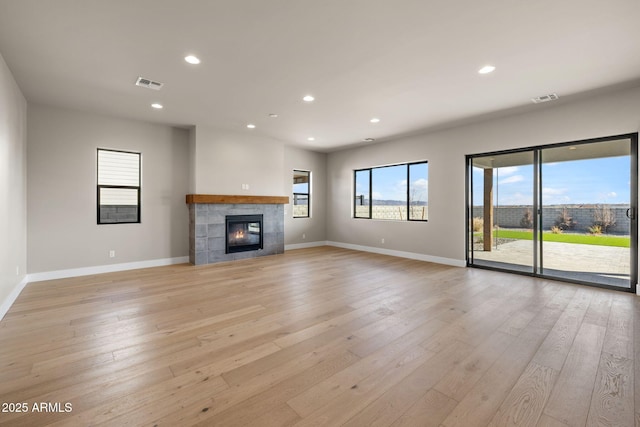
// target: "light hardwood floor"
[[320, 336]]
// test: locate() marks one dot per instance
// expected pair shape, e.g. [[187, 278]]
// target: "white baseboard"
[[401, 254], [99, 269], [304, 245], [12, 297]]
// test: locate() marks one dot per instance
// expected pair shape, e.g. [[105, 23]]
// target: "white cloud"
[[419, 189], [515, 199], [554, 196], [606, 197], [512, 179], [548, 191], [507, 170], [398, 191], [421, 184]]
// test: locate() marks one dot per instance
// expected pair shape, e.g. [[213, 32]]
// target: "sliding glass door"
[[502, 188], [566, 211], [586, 212]]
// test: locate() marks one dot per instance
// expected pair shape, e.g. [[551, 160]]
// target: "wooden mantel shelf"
[[232, 199]]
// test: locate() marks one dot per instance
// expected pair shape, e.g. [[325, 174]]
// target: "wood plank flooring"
[[319, 337]]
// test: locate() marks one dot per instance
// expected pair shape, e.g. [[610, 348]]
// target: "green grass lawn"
[[583, 239]]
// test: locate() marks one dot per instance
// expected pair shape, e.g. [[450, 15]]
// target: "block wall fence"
[[583, 216]]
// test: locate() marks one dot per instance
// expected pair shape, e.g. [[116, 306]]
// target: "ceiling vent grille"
[[150, 84], [545, 98]]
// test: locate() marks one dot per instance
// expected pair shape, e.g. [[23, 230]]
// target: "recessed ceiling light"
[[251, 126], [311, 138], [375, 120], [573, 148], [192, 59], [368, 139], [308, 98], [486, 69], [157, 106], [273, 115]]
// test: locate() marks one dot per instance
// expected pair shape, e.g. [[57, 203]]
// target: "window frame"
[[370, 198], [138, 188], [308, 194], [355, 192]]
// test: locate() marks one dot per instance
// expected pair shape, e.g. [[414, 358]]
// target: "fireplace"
[[243, 233], [208, 226]]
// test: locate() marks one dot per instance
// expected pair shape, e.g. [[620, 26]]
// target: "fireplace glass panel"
[[244, 233]]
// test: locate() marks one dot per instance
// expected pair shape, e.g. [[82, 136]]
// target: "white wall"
[[13, 188], [192, 160], [224, 160], [61, 154], [221, 161], [443, 235], [314, 228]]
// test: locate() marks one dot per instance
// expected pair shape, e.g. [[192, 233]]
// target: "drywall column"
[[487, 235]]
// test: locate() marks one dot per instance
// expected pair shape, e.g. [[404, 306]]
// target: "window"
[[362, 207], [396, 192], [301, 194], [118, 187]]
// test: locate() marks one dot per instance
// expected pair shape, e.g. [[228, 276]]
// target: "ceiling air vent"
[[545, 98], [150, 84]]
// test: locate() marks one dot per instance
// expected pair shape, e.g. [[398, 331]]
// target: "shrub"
[[556, 230], [527, 219], [564, 221], [604, 217], [477, 224], [595, 229]]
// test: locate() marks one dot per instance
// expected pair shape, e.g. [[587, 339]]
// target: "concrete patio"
[[600, 264]]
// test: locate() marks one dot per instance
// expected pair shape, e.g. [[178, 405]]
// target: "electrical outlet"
[[112, 254], [304, 236], [382, 240], [17, 270]]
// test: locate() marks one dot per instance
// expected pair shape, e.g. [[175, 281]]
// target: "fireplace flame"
[[239, 234]]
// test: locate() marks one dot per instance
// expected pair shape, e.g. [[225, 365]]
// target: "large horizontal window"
[[118, 187], [396, 192]]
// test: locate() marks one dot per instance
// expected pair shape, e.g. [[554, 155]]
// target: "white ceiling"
[[412, 63]]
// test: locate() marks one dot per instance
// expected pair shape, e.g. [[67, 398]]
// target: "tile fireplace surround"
[[207, 225]]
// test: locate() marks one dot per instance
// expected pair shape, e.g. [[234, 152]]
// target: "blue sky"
[[604, 180], [301, 188]]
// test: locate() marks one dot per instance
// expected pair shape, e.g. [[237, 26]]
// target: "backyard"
[[504, 235]]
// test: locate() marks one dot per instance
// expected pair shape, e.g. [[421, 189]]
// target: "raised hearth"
[[208, 226]]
